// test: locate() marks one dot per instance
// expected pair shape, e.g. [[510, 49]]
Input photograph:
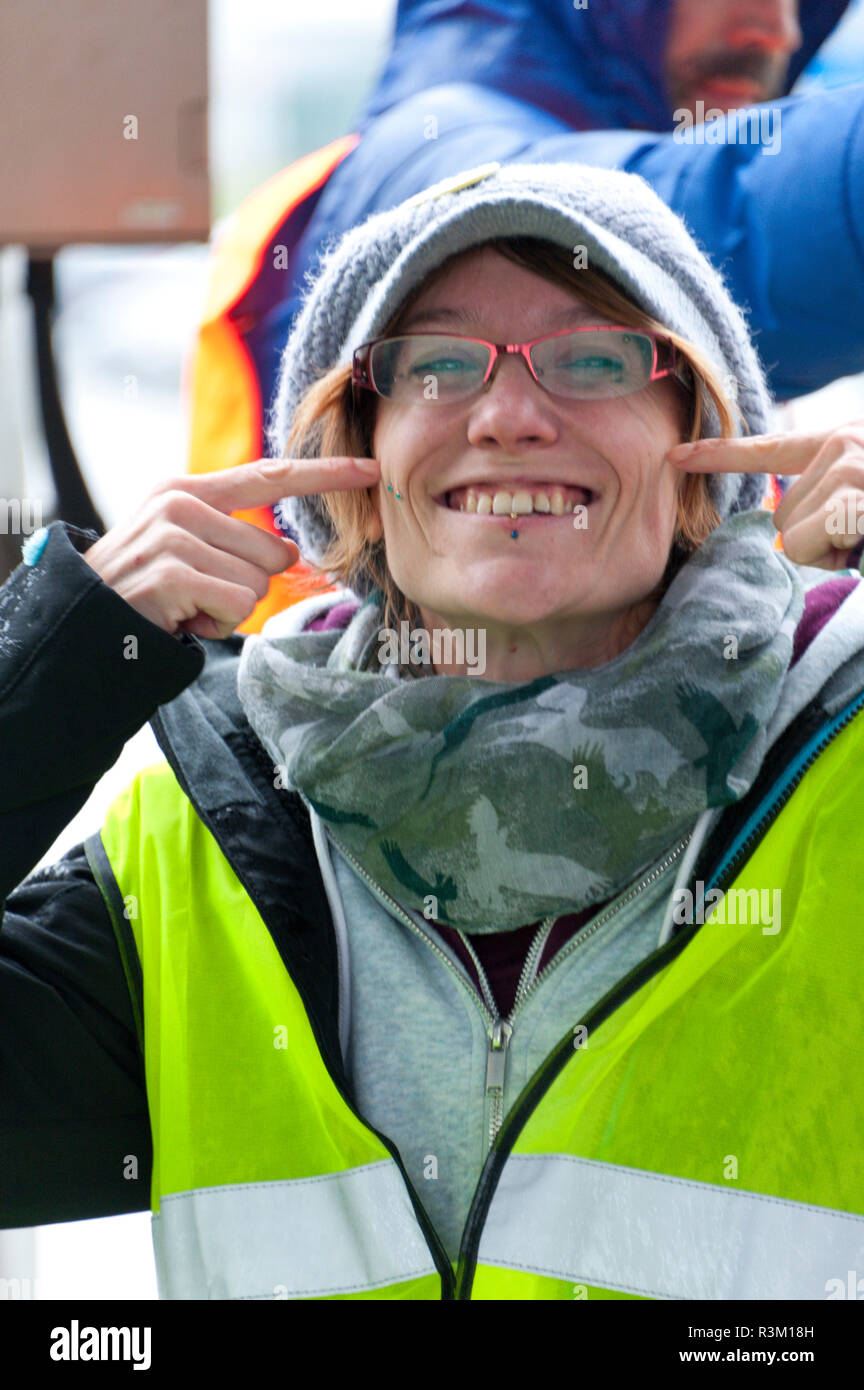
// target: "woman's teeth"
[[556, 501]]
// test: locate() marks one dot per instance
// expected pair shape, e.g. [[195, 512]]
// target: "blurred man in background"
[[730, 53]]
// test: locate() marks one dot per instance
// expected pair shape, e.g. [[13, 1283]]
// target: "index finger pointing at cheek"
[[759, 453], [264, 482]]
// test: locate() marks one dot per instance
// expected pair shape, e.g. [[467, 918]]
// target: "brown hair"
[[327, 424]]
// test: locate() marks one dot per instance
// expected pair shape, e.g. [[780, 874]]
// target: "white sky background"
[[286, 77], [281, 54]]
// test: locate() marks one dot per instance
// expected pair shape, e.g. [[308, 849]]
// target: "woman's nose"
[[512, 406]]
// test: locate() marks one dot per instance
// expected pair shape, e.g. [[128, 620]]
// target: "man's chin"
[[726, 96]]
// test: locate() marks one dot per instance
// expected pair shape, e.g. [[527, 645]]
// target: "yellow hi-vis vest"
[[706, 1141]]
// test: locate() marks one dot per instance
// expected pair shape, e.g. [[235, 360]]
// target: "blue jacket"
[[786, 230]]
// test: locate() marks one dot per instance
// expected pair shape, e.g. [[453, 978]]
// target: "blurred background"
[[284, 79]]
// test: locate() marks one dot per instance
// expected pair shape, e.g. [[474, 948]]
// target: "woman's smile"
[[517, 497]]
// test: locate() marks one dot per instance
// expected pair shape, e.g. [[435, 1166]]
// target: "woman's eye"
[[439, 365], [593, 366]]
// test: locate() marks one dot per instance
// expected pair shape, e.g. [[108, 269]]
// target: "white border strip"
[[663, 1237], [307, 1238]]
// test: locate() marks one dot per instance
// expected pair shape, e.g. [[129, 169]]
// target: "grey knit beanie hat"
[[628, 233]]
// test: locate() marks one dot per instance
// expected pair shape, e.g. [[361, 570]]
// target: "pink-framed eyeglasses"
[[591, 363]]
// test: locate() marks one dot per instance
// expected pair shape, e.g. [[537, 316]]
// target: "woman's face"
[[558, 587]]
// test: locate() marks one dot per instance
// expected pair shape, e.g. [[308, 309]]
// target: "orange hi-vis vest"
[[227, 426]]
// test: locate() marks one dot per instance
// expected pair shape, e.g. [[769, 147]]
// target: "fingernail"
[[272, 466], [368, 465]]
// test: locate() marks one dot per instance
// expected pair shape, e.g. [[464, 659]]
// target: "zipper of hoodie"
[[497, 1068], [766, 812], [499, 1030]]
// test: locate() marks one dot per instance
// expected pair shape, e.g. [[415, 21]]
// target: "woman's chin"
[[479, 602]]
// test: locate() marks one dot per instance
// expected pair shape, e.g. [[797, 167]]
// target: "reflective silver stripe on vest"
[[306, 1238], [663, 1237]]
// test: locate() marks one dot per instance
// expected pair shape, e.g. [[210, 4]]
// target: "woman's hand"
[[186, 564], [821, 518]]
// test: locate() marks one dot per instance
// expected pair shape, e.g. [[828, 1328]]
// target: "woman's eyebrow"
[[558, 318], [420, 316]]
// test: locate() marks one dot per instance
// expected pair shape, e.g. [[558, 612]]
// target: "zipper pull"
[[496, 1061], [496, 1064]]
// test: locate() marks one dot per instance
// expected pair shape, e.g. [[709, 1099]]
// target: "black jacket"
[[73, 1100]]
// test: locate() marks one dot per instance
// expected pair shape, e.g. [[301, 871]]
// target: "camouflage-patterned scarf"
[[505, 803]]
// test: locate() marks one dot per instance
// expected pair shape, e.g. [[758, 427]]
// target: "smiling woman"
[[527, 466], [430, 993]]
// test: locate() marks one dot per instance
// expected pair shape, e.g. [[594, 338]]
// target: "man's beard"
[[753, 64]]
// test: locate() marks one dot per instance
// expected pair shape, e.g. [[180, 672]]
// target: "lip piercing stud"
[[514, 534]]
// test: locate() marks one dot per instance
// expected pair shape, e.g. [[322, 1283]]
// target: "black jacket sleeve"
[[71, 692], [74, 1129]]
